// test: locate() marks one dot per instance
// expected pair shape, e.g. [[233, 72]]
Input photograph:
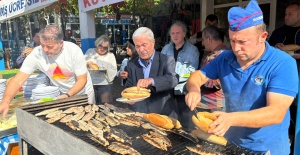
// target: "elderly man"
[[63, 62], [186, 56], [155, 71], [252, 76]]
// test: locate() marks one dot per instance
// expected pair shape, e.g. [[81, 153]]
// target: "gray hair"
[[143, 30], [180, 24], [213, 32], [103, 39], [51, 33], [261, 27]]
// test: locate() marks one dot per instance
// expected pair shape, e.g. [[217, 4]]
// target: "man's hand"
[[63, 96], [192, 99], [28, 50], [90, 63], [222, 124], [4, 109], [144, 83], [123, 74]]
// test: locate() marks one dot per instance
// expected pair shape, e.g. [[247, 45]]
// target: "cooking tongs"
[[196, 111]]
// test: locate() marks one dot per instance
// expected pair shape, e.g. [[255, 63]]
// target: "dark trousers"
[[103, 94]]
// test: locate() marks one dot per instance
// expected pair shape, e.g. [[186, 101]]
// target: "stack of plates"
[[34, 81], [45, 92], [2, 87]]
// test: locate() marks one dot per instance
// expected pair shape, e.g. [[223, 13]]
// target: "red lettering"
[[95, 2], [86, 3]]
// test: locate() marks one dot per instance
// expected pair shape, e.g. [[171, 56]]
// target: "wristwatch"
[[67, 94]]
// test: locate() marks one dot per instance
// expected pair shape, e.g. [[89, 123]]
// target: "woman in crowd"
[[104, 75], [131, 54]]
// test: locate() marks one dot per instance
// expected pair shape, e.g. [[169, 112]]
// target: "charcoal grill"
[[58, 138]]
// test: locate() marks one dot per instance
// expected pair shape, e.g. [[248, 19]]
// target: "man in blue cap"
[[254, 77]]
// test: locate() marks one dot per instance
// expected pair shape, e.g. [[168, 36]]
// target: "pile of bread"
[[203, 121]]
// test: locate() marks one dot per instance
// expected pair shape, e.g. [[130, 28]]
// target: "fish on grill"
[[122, 149], [88, 108], [78, 116], [130, 121], [45, 112], [99, 139], [56, 118], [97, 124], [94, 130], [70, 110], [198, 150], [107, 112], [83, 125], [103, 107], [100, 116], [110, 106], [73, 125], [112, 121], [95, 107], [155, 128], [54, 114], [88, 116], [157, 140], [79, 109], [124, 111], [66, 119], [119, 135]]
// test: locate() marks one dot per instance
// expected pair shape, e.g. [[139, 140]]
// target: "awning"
[[87, 5], [14, 8]]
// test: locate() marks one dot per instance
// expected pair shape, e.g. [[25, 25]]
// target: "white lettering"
[[258, 18]]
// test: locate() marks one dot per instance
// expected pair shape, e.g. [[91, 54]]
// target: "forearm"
[[195, 81], [257, 118], [78, 86]]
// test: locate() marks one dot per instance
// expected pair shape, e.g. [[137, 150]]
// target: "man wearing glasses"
[[62, 61]]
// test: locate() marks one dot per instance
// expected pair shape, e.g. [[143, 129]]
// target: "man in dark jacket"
[[154, 71]]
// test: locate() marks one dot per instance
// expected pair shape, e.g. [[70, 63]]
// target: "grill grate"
[[179, 143]]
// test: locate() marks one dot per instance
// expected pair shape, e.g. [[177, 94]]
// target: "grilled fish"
[[83, 125], [79, 109], [107, 112], [54, 113], [95, 108], [66, 119], [129, 122], [45, 112], [110, 106], [96, 123], [88, 116], [94, 130], [78, 116], [103, 107], [70, 110], [119, 135], [56, 118], [88, 108], [73, 125], [99, 139], [154, 128], [112, 121], [122, 149], [100, 116], [157, 140], [198, 150]]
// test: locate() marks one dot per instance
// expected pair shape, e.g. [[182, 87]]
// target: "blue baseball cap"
[[242, 18]]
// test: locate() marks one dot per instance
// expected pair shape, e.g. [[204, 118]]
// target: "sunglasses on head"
[[103, 47]]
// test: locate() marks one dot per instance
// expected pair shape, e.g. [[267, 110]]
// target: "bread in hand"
[[204, 120], [209, 137], [133, 93]]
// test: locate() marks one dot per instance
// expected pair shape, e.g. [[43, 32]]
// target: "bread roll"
[[209, 137], [290, 47], [159, 120], [94, 66], [133, 93], [204, 120]]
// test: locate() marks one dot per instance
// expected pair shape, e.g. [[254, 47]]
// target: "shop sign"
[[108, 21], [87, 5], [124, 21], [14, 8]]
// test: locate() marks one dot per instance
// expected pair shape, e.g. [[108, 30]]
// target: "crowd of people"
[[245, 86]]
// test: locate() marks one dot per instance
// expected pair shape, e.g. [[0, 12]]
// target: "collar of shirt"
[[146, 70]]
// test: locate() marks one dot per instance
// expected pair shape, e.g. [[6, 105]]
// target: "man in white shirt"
[[62, 61]]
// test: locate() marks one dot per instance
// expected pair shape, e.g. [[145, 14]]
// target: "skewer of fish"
[[157, 140]]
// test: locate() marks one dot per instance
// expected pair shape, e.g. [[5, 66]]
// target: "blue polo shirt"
[[246, 90]]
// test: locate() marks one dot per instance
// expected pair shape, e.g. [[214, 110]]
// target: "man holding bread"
[[253, 77], [154, 71], [62, 61]]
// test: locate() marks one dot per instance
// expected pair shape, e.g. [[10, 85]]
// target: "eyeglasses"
[[103, 47]]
